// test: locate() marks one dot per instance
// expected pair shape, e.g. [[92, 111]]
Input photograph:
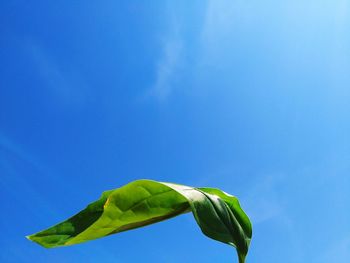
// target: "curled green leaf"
[[145, 202]]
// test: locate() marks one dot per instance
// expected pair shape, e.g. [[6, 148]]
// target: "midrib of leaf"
[[118, 225]]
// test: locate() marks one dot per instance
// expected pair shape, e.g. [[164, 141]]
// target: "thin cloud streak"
[[166, 68], [338, 252], [12, 177], [65, 87], [168, 63]]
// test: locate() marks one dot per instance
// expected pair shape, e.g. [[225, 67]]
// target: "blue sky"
[[248, 96]]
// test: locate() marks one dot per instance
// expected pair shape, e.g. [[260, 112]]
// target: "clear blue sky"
[[252, 97]]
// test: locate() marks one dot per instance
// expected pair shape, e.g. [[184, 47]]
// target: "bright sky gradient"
[[252, 97]]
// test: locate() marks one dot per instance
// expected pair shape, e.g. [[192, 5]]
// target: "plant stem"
[[241, 258]]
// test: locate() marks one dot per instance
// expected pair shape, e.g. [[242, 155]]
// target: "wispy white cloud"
[[13, 161], [215, 29], [338, 252], [166, 68], [63, 85], [9, 147], [261, 199], [219, 20], [168, 62]]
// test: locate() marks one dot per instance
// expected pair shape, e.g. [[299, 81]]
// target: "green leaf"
[[145, 202]]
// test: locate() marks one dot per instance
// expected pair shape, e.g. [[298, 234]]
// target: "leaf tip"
[[39, 240]]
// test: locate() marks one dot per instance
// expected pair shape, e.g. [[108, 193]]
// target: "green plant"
[[145, 202]]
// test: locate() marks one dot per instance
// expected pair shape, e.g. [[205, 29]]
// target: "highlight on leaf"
[[144, 202]]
